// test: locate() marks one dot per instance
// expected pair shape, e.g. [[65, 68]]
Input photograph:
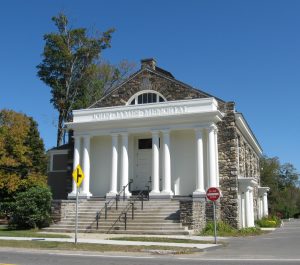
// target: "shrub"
[[271, 221], [31, 208], [224, 229]]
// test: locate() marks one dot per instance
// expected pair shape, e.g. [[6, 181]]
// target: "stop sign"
[[213, 193]]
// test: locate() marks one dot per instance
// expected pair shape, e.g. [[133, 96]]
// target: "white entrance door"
[[143, 164]]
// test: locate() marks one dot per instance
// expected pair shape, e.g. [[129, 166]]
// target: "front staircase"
[[158, 217]]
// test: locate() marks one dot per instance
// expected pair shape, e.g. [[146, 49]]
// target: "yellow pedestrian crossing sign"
[[78, 175]]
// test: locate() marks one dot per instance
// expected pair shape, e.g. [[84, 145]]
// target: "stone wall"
[[169, 87], [236, 159], [192, 213], [61, 208], [228, 166], [249, 167], [209, 211]]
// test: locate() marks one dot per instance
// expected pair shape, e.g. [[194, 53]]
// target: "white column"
[[86, 167], [125, 163], [251, 207], [167, 165], [247, 209], [76, 161], [261, 213], [212, 157], [265, 204], [155, 164], [114, 166], [243, 214], [199, 163], [217, 158]]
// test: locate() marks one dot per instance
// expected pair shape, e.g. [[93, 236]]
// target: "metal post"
[[148, 187], [142, 206], [117, 199], [125, 218], [215, 222], [97, 218], [132, 210], [76, 221], [124, 193], [105, 210]]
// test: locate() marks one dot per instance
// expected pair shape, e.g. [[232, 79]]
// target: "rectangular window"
[[140, 99], [145, 143], [59, 162], [145, 100]]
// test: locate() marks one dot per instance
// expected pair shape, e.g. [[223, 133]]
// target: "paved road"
[[279, 247]]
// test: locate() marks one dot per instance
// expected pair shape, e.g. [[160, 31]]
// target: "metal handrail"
[[130, 204], [112, 199], [124, 212]]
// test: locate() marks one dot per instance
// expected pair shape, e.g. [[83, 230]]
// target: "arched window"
[[146, 97]]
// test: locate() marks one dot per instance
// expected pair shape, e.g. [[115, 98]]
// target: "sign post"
[[213, 194], [78, 177]]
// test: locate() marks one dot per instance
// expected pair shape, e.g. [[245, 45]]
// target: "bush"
[[31, 208], [224, 229], [271, 221]]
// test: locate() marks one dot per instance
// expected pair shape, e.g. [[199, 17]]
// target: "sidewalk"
[[107, 239]]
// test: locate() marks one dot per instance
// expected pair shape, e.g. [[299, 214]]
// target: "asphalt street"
[[278, 247]]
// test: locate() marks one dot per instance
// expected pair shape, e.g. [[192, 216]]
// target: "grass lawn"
[[4, 231], [163, 239], [92, 247]]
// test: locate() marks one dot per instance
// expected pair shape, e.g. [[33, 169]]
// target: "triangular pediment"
[[158, 80]]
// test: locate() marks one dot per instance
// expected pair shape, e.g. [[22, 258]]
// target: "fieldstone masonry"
[[61, 208], [192, 213]]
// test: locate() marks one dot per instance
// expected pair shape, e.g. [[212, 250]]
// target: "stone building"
[[156, 131]]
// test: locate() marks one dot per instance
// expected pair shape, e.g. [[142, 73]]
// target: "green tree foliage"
[[31, 208], [283, 180], [69, 67], [22, 157]]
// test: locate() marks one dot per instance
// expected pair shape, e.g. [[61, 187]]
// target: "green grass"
[[4, 231], [92, 247], [162, 239], [223, 229]]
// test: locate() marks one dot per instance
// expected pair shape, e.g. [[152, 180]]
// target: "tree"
[[22, 154], [69, 65], [105, 77], [284, 196]]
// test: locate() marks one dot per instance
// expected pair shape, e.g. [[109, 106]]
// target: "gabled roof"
[[159, 72]]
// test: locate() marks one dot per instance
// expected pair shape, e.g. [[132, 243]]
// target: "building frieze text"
[[139, 113]]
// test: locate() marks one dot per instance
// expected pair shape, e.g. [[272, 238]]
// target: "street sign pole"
[[213, 194], [215, 222], [76, 218], [78, 177]]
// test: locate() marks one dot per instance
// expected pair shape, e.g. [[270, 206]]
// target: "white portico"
[[171, 146]]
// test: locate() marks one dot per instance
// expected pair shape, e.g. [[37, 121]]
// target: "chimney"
[[150, 63]]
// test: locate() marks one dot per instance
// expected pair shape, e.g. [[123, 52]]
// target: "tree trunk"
[[60, 131]]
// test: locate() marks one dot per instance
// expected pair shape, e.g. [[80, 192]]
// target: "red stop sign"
[[213, 194]]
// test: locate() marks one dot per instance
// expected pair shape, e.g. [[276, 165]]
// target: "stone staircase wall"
[[157, 217]]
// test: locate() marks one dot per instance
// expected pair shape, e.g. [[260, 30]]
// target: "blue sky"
[[238, 50]]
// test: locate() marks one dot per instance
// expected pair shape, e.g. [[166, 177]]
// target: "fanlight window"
[[145, 98]]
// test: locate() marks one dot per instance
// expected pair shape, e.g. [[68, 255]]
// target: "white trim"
[[153, 115], [247, 133], [136, 95], [51, 153]]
